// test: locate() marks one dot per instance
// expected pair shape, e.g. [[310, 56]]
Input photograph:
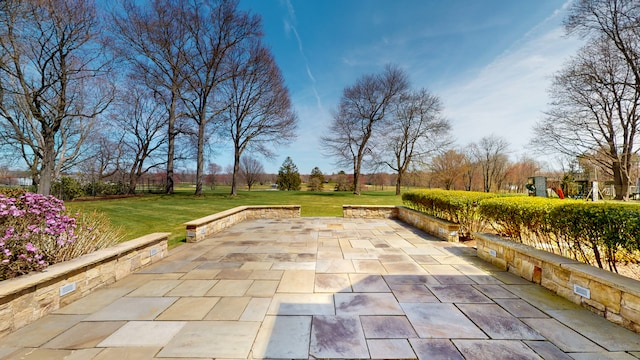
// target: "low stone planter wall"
[[27, 298], [442, 229], [206, 226], [610, 295], [370, 211], [437, 227]]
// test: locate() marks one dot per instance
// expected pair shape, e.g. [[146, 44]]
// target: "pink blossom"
[[30, 247]]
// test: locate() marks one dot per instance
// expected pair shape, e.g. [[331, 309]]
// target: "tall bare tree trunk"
[[200, 161], [234, 176], [171, 143], [48, 163]]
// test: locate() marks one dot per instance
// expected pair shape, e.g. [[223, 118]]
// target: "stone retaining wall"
[[204, 227], [437, 227], [27, 298], [610, 295], [370, 211]]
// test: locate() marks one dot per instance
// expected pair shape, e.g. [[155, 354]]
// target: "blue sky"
[[490, 61]]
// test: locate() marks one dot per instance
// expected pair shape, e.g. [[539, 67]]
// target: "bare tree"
[[595, 111], [213, 171], [141, 121], [258, 112], [448, 168], [104, 153], [251, 170], [472, 167], [153, 38], [215, 29], [517, 174], [52, 84], [618, 21], [491, 155], [415, 130], [359, 115]]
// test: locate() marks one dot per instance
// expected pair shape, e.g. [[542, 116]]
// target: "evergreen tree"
[[288, 176], [316, 180]]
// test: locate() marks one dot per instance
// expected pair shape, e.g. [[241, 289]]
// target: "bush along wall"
[[600, 234], [458, 207], [36, 231]]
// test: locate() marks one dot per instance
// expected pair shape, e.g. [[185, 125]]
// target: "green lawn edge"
[[147, 213]]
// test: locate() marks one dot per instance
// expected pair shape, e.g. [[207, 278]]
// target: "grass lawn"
[[147, 213]]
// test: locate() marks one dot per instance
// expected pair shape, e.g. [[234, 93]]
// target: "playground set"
[[578, 189]]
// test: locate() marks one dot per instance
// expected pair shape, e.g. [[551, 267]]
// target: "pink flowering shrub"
[[32, 228]]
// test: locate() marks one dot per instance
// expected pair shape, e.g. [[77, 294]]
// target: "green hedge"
[[520, 218], [595, 233], [458, 207]]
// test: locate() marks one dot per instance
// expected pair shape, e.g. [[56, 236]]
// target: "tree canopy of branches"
[[447, 168], [288, 176], [258, 111], [140, 121], [597, 93], [360, 114], [52, 86], [414, 130], [251, 170], [490, 153], [216, 29], [152, 37]]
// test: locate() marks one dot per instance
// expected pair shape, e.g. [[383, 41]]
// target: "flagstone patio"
[[328, 288]]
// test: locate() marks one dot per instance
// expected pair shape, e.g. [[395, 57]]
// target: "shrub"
[[597, 232], [316, 180], [27, 222], [594, 233], [12, 192], [315, 184], [35, 232], [522, 218], [67, 188], [93, 232], [101, 188], [343, 183], [459, 207]]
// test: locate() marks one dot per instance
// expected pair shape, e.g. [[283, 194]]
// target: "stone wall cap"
[[15, 285], [546, 256], [238, 209], [371, 206]]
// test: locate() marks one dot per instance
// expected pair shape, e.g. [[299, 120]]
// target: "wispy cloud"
[[508, 96], [290, 27]]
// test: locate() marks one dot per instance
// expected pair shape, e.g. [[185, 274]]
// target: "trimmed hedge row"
[[458, 207], [597, 230], [520, 218], [595, 233]]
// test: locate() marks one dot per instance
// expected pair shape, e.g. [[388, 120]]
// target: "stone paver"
[[495, 349], [283, 337], [329, 288], [441, 321], [143, 333], [338, 337]]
